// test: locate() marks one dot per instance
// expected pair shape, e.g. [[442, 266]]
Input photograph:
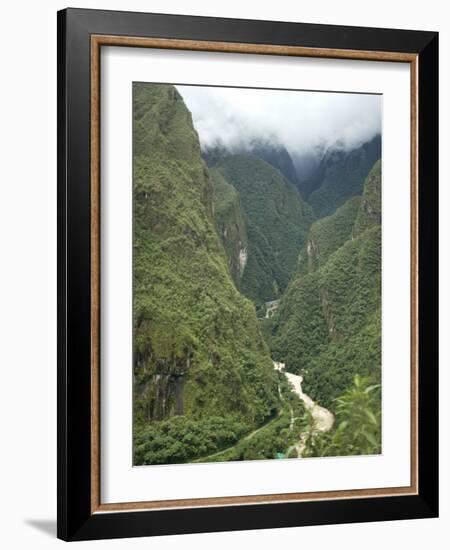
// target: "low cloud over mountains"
[[306, 123]]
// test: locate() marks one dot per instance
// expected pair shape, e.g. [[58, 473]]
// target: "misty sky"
[[301, 121]]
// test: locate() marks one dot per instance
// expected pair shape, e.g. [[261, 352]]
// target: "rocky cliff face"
[[198, 350]]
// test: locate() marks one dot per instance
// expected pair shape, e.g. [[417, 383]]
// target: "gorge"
[[220, 235]]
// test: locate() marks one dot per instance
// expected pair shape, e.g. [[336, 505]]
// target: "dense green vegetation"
[[358, 423], [331, 372], [198, 350], [182, 439], [271, 442], [328, 324], [273, 153], [274, 439], [369, 213], [277, 222], [212, 242], [341, 176], [330, 233], [230, 224]]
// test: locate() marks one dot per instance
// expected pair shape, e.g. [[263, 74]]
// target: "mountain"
[[276, 220], [369, 212], [328, 234], [271, 152], [202, 371], [328, 324], [339, 176], [277, 156], [230, 224]]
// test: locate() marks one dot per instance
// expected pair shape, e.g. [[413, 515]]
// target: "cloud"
[[301, 121]]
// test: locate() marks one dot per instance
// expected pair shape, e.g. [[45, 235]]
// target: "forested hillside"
[[271, 152], [231, 225], [327, 234], [329, 320], [256, 294]]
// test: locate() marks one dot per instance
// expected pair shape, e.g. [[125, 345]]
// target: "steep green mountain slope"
[[277, 222], [198, 351], [328, 234], [271, 152], [369, 213], [277, 156], [230, 225], [328, 324], [341, 175]]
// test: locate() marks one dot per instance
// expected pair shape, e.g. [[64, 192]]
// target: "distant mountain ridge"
[[339, 175], [271, 152]]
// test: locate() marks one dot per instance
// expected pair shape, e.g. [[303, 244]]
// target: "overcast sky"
[[301, 121]]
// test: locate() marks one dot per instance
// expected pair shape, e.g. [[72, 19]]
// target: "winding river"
[[323, 419]]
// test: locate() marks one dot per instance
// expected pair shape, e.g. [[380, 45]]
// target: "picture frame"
[[81, 36]]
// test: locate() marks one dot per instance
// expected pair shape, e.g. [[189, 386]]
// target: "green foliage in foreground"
[[357, 428], [198, 351], [182, 439], [277, 221], [219, 439]]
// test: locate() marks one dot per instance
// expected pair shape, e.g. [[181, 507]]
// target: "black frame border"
[[75, 521]]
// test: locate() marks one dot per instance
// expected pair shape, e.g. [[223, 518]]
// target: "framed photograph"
[[247, 255]]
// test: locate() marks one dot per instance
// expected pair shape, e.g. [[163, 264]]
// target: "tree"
[[358, 423]]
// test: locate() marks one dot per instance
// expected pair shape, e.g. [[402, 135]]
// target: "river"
[[323, 419]]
